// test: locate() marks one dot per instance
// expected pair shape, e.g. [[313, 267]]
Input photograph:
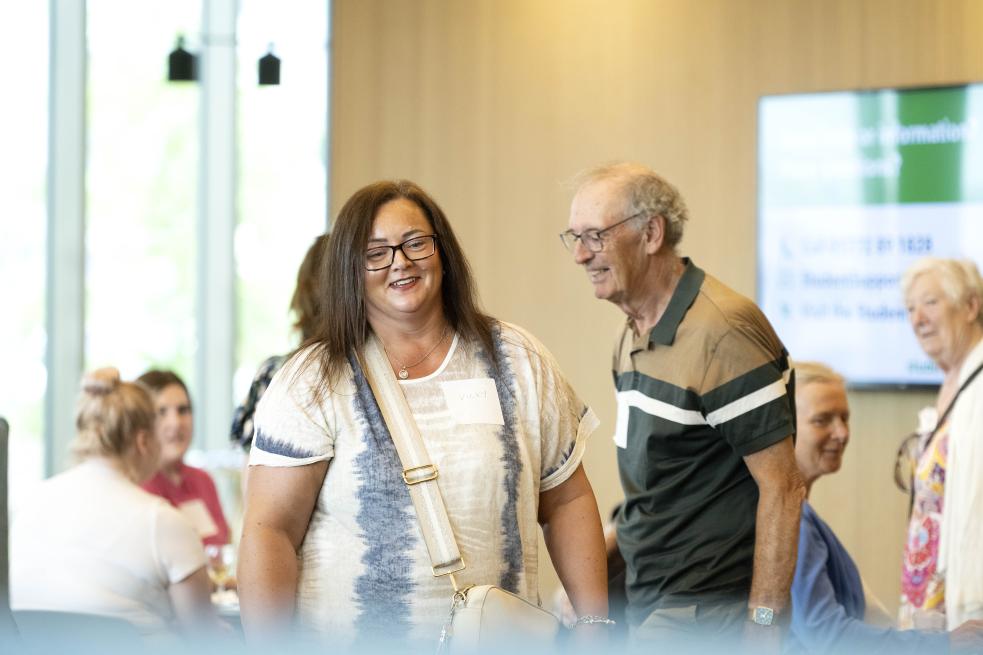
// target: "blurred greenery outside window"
[[23, 237], [283, 172], [142, 199], [141, 190]]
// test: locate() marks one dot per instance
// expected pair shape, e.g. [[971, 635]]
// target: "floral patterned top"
[[922, 586]]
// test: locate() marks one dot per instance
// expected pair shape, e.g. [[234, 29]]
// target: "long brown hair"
[[343, 326], [307, 302]]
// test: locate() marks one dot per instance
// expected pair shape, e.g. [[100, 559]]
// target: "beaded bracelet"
[[589, 619]]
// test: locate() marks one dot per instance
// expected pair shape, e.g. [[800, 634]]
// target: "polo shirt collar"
[[683, 296]]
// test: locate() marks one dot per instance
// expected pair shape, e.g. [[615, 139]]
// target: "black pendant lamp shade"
[[269, 68], [182, 66]]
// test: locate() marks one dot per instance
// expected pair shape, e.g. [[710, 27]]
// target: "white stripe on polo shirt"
[[751, 401], [652, 407]]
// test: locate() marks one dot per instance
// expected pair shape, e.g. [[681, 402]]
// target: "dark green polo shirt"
[[708, 385]]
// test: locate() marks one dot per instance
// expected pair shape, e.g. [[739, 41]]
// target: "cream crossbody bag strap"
[[419, 473]]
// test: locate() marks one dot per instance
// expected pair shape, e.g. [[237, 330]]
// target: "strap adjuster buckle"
[[419, 474], [449, 568]]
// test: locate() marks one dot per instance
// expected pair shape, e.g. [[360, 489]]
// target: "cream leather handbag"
[[489, 618], [482, 617]]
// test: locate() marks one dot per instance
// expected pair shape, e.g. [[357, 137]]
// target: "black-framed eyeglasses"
[[593, 240], [415, 249]]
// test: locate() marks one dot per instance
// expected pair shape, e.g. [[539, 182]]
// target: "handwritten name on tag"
[[473, 401]]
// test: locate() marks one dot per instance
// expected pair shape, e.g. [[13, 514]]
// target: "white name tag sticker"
[[473, 401], [198, 516]]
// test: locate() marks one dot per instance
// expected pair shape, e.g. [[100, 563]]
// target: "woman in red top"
[[189, 489]]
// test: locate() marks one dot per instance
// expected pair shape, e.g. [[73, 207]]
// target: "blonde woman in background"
[[830, 613], [942, 569], [91, 541]]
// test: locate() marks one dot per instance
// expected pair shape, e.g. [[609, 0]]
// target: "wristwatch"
[[761, 615]]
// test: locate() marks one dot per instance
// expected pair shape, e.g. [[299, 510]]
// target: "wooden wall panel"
[[493, 104]]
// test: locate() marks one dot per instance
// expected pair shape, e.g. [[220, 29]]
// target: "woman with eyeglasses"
[[331, 544]]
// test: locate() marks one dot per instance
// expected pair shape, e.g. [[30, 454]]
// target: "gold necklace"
[[403, 372]]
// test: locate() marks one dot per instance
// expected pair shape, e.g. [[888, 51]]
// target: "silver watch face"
[[763, 615]]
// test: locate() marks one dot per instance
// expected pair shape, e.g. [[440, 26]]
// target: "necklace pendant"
[[403, 373]]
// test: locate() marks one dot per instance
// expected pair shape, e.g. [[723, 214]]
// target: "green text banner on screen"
[[853, 188]]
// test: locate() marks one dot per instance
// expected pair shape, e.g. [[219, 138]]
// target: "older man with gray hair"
[[705, 423]]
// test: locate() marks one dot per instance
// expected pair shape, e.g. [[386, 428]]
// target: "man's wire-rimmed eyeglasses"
[[593, 240], [415, 249]]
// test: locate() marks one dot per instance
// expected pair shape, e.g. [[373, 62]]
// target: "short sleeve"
[[745, 395], [179, 549], [290, 427], [565, 420]]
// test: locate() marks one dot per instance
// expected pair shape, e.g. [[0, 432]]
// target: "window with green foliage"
[[23, 232], [283, 172], [144, 162], [141, 183]]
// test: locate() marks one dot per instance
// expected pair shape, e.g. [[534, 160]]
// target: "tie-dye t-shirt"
[[364, 569]]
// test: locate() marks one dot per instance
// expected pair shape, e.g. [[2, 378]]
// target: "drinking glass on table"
[[929, 620], [221, 566]]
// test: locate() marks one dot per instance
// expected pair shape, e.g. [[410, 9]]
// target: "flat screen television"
[[853, 187]]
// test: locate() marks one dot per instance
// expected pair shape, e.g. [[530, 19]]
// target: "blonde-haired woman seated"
[[91, 541], [828, 605]]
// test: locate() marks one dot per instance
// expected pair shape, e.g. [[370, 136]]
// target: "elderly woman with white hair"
[[942, 570]]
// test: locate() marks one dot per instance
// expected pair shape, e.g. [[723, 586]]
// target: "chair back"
[[47, 631]]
